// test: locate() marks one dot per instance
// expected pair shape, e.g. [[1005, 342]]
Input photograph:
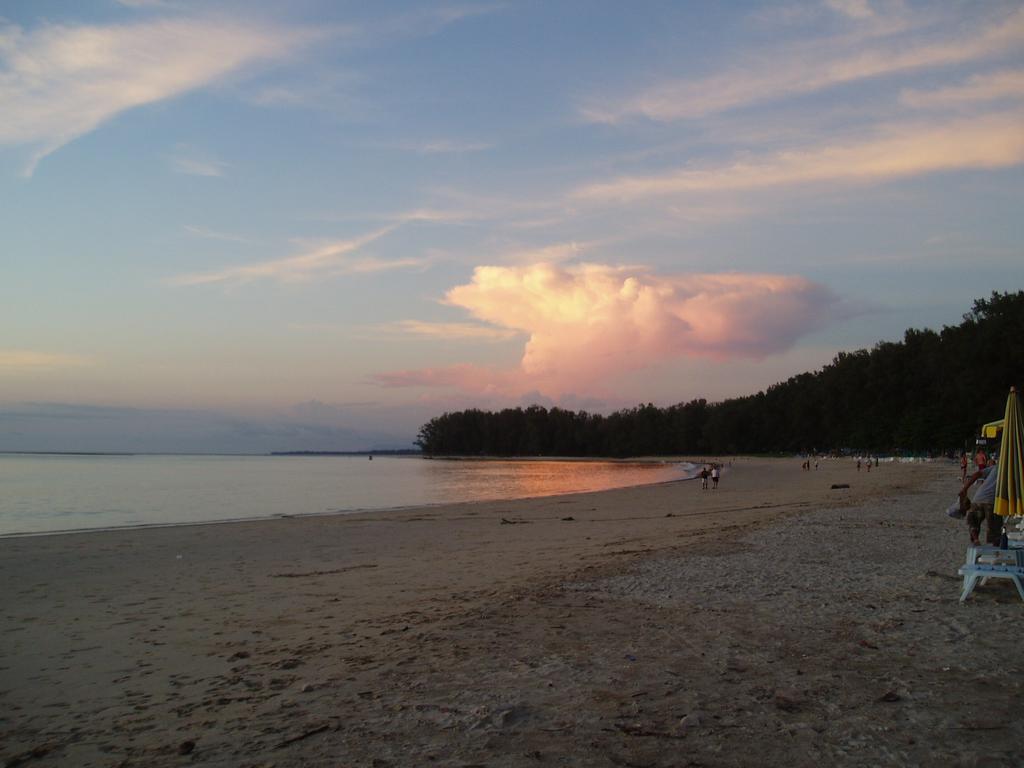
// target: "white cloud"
[[803, 69], [59, 82], [985, 141], [339, 257]]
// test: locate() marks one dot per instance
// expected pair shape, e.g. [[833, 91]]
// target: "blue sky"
[[243, 227]]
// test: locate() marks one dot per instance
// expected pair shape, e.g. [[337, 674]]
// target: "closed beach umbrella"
[[1010, 480]]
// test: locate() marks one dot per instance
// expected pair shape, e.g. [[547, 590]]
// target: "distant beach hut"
[[991, 430], [1010, 480]]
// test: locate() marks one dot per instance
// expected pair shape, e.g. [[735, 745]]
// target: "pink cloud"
[[589, 323]]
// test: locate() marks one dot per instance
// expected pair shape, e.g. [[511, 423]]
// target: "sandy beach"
[[773, 621]]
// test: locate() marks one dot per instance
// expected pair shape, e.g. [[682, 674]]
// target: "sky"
[[246, 227]]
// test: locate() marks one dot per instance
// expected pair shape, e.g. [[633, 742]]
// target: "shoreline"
[[340, 511], [726, 464], [433, 627]]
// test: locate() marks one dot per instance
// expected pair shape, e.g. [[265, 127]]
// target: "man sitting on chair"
[[981, 506]]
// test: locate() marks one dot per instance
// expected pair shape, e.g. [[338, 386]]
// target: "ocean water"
[[45, 494]]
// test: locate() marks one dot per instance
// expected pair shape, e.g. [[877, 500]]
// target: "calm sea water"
[[40, 494]]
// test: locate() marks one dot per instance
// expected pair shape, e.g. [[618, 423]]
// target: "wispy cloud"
[[403, 329], [452, 206], [986, 141], [41, 426], [450, 331], [429, 20], [548, 254], [334, 91], [855, 9], [59, 82], [146, 3], [32, 361], [1006, 84], [465, 377], [443, 146], [808, 68], [193, 162], [478, 206], [338, 91], [340, 257], [589, 322], [211, 234], [425, 215], [433, 215]]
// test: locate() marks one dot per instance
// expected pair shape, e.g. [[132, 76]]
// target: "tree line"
[[927, 393]]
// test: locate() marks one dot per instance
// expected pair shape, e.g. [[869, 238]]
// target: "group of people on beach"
[[868, 460], [712, 471], [980, 462], [861, 462]]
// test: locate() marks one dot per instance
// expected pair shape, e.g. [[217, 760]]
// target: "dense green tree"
[[928, 392]]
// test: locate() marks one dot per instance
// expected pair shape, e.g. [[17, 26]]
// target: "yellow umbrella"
[[1010, 480]]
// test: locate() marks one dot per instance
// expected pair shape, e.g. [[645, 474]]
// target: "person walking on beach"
[[963, 467], [704, 478], [714, 476]]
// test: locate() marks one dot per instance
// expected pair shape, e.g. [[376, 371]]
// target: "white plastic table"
[[986, 562]]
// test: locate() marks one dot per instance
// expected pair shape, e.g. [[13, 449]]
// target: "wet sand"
[[771, 621]]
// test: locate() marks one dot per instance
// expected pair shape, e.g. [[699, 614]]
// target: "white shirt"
[[986, 494]]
